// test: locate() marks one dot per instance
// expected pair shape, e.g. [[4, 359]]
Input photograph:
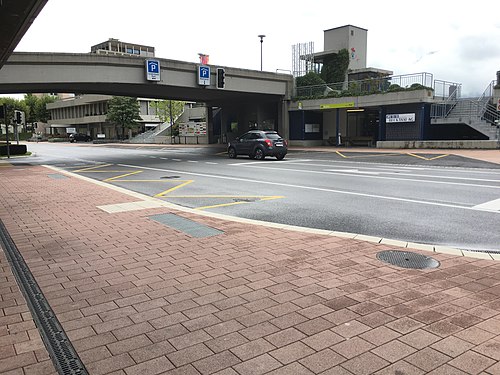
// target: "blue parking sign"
[[152, 70], [203, 75]]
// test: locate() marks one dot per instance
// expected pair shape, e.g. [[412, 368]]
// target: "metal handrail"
[[371, 85], [446, 89], [485, 98], [443, 109], [473, 109]]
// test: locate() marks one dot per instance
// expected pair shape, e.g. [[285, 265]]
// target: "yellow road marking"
[[437, 157], [187, 182], [427, 159], [341, 154], [272, 197], [371, 156], [262, 197], [106, 171], [219, 205], [91, 168], [417, 156], [120, 176]]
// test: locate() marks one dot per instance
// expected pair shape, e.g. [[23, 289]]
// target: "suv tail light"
[[268, 142], [285, 142]]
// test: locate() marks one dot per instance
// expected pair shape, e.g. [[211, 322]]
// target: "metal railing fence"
[[367, 86]]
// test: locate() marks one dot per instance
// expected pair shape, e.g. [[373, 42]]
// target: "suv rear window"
[[273, 135]]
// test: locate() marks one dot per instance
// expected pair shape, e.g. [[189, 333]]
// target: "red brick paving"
[[136, 297]]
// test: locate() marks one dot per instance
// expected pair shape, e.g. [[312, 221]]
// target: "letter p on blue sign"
[[152, 70]]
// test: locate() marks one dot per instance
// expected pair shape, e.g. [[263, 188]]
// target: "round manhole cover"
[[407, 259]]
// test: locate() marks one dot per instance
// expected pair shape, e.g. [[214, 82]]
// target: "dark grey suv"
[[258, 144], [77, 137]]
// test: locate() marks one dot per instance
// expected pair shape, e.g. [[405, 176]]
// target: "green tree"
[[169, 111], [36, 107], [11, 105], [42, 114], [123, 111], [31, 102]]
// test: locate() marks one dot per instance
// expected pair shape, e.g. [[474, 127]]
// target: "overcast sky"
[[454, 41]]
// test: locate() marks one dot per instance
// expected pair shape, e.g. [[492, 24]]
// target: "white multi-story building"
[[87, 114]]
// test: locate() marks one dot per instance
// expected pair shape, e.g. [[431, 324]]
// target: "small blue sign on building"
[[203, 75], [153, 70]]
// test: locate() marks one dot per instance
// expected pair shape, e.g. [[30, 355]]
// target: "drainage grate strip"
[[62, 352], [482, 251], [187, 226]]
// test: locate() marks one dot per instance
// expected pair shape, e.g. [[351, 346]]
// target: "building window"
[[352, 32]]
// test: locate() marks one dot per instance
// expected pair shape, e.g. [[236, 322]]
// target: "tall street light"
[[261, 40]]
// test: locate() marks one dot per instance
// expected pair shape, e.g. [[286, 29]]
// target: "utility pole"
[[4, 110], [17, 121], [171, 120]]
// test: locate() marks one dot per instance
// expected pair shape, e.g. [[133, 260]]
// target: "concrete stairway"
[[470, 111], [150, 135]]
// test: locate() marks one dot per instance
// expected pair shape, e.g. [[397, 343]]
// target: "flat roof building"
[[116, 47]]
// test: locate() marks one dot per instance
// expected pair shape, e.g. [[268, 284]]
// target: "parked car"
[[78, 137], [258, 144]]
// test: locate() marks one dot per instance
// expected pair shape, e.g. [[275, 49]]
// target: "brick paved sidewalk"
[[137, 297]]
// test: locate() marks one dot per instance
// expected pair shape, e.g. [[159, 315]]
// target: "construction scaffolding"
[[303, 58]]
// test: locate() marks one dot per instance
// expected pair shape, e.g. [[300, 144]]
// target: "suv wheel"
[[232, 153], [259, 154]]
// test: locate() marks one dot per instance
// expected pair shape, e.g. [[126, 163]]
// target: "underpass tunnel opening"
[[232, 120]]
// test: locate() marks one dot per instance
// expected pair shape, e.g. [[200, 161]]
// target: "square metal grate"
[[407, 259], [57, 176], [187, 226]]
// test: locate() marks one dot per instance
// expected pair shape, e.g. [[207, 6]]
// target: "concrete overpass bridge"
[[247, 96], [16, 16]]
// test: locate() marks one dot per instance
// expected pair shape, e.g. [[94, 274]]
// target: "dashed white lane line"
[[247, 165]]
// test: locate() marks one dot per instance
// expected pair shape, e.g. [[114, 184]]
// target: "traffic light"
[[18, 117], [221, 75], [2, 112]]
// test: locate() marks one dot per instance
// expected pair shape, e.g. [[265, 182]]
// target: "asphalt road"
[[418, 197]]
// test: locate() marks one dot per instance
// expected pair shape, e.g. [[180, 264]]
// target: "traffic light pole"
[[6, 130], [17, 121]]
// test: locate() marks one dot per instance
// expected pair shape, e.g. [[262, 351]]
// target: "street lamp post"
[[261, 40]]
